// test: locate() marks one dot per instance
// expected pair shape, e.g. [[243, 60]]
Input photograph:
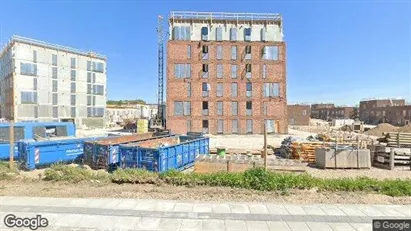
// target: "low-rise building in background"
[[299, 114]]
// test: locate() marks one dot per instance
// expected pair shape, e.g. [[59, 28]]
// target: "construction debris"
[[380, 129], [397, 139], [391, 157]]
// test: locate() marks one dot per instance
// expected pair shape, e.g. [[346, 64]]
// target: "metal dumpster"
[[173, 152], [34, 154], [104, 154]]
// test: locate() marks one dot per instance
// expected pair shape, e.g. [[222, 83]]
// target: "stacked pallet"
[[235, 151], [392, 157], [397, 139], [305, 151]]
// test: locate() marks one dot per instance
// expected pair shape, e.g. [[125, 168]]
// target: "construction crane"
[[159, 123]]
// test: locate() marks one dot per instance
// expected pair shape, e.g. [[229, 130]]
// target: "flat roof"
[[29, 41], [182, 15]]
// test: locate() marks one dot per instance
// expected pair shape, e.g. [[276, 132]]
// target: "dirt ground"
[[167, 192], [376, 173]]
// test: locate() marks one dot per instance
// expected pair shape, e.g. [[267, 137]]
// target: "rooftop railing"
[[224, 16]]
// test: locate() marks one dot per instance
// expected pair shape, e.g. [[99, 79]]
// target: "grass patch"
[[6, 173], [259, 179], [74, 174]]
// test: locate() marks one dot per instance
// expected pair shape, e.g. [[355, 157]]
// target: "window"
[[270, 126], [188, 125], [220, 126], [34, 56], [205, 70], [28, 97], [55, 99], [73, 75], [234, 108], [182, 71], [219, 71], [219, 52], [73, 62], [188, 89], [219, 34], [94, 78], [270, 53], [88, 65], [248, 71], [98, 67], [178, 108], [88, 88], [234, 52], [204, 33], [264, 71], [88, 77], [247, 34], [205, 54], [205, 126], [55, 112], [73, 112], [98, 89], [249, 126], [271, 90], [404, 113], [205, 88], [89, 100], [187, 108], [234, 90], [54, 72], [35, 84], [54, 86], [248, 52], [182, 33], [234, 126], [54, 60], [205, 108], [263, 34], [233, 34], [265, 108], [220, 90], [249, 89], [98, 112], [28, 69], [220, 108], [73, 87], [189, 51], [73, 100], [234, 71], [249, 108]]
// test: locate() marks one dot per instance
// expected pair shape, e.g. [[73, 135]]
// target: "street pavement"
[[137, 214]]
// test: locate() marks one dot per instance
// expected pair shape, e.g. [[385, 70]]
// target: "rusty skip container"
[[104, 153]]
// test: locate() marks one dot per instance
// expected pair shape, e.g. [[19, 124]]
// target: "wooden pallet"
[[391, 157]]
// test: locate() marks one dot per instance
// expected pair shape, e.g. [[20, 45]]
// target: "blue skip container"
[[34, 154], [160, 155]]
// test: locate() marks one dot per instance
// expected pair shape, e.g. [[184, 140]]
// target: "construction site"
[[224, 84]]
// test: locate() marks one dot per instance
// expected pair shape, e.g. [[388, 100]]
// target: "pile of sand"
[[406, 128], [384, 127]]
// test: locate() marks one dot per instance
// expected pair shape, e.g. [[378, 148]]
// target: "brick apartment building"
[[298, 114], [329, 112], [226, 73], [315, 109], [393, 111]]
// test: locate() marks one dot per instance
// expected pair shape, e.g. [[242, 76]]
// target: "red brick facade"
[[177, 89], [299, 114]]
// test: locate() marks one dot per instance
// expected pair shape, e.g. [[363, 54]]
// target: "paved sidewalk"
[[134, 214]]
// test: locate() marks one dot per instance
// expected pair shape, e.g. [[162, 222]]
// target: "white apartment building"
[[40, 81]]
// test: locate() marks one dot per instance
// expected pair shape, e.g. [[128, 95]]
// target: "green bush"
[[6, 173], [134, 176]]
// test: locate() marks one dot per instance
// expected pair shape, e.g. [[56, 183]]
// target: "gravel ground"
[[216, 194], [372, 173]]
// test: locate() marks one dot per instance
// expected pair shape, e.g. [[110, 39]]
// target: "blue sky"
[[337, 51]]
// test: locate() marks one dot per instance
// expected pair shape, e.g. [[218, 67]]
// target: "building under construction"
[[40, 81], [226, 73]]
